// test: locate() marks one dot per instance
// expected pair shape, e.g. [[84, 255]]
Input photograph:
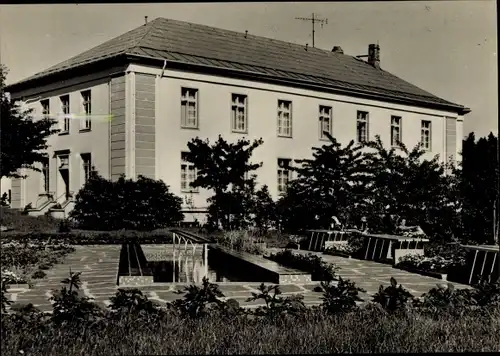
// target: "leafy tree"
[[410, 187], [480, 188], [145, 204], [225, 168], [264, 209], [23, 138], [329, 184]]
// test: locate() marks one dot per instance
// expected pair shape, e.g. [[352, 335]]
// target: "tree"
[[264, 209], [329, 184], [23, 139], [479, 188], [416, 189], [225, 168]]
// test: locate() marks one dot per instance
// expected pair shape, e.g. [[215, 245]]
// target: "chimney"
[[374, 55], [337, 49]]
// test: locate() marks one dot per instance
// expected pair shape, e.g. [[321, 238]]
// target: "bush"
[[20, 222], [197, 300], [90, 237], [275, 304], [69, 306], [240, 240], [145, 204], [319, 269], [446, 296], [341, 298], [392, 298]]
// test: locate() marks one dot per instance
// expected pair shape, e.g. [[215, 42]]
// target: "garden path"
[[99, 266]]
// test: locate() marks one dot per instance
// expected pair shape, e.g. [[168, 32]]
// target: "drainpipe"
[[163, 69]]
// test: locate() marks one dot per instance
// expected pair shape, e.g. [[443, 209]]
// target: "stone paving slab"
[[99, 266]]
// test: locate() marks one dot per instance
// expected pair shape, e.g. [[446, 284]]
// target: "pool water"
[[183, 266]]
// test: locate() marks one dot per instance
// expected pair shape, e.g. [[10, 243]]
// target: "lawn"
[[363, 331]]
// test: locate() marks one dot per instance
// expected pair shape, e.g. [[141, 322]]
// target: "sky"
[[448, 48]]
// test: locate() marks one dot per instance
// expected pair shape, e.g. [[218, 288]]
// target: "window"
[[284, 174], [239, 113], [188, 174], [87, 109], [63, 161], [87, 166], [45, 174], [325, 121], [65, 113], [189, 108], [284, 118], [395, 130], [45, 108], [425, 134], [362, 126]]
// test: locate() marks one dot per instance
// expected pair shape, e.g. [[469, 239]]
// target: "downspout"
[[163, 69]]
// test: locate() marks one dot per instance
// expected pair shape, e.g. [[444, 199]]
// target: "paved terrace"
[[99, 266]]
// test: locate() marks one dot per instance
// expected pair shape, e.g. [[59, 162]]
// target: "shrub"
[[197, 300], [319, 269], [340, 298], [275, 304], [131, 301], [446, 296], [393, 297], [39, 274], [4, 302], [69, 306], [64, 226], [487, 293], [90, 237], [145, 204], [240, 240]]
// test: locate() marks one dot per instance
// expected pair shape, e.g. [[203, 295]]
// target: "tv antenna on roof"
[[313, 19]]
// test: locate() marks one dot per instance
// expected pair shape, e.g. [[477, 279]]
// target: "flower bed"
[[82, 237], [21, 263], [319, 269], [353, 247], [436, 266], [241, 241]]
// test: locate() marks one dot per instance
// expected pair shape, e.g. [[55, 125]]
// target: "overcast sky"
[[448, 48]]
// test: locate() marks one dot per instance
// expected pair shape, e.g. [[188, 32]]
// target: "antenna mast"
[[313, 19]]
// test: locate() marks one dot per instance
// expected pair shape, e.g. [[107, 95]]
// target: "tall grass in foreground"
[[366, 330]]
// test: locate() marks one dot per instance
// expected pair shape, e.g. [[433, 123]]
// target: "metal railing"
[[178, 240]]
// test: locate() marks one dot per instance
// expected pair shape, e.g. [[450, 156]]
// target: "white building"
[[130, 105]]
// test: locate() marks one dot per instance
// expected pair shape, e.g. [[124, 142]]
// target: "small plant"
[[446, 296], [38, 274], [4, 201], [69, 306], [319, 269], [275, 304], [240, 240], [27, 208], [393, 297], [340, 298], [197, 300], [131, 301], [487, 293], [64, 226], [5, 302]]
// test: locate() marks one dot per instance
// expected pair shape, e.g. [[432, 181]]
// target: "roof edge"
[[130, 57], [459, 109]]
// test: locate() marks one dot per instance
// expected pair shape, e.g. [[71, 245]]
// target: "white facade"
[[146, 134]]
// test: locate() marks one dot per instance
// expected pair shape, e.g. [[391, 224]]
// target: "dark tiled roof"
[[189, 43]]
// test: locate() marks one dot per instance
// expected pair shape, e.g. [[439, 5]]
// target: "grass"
[[369, 331], [14, 219]]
